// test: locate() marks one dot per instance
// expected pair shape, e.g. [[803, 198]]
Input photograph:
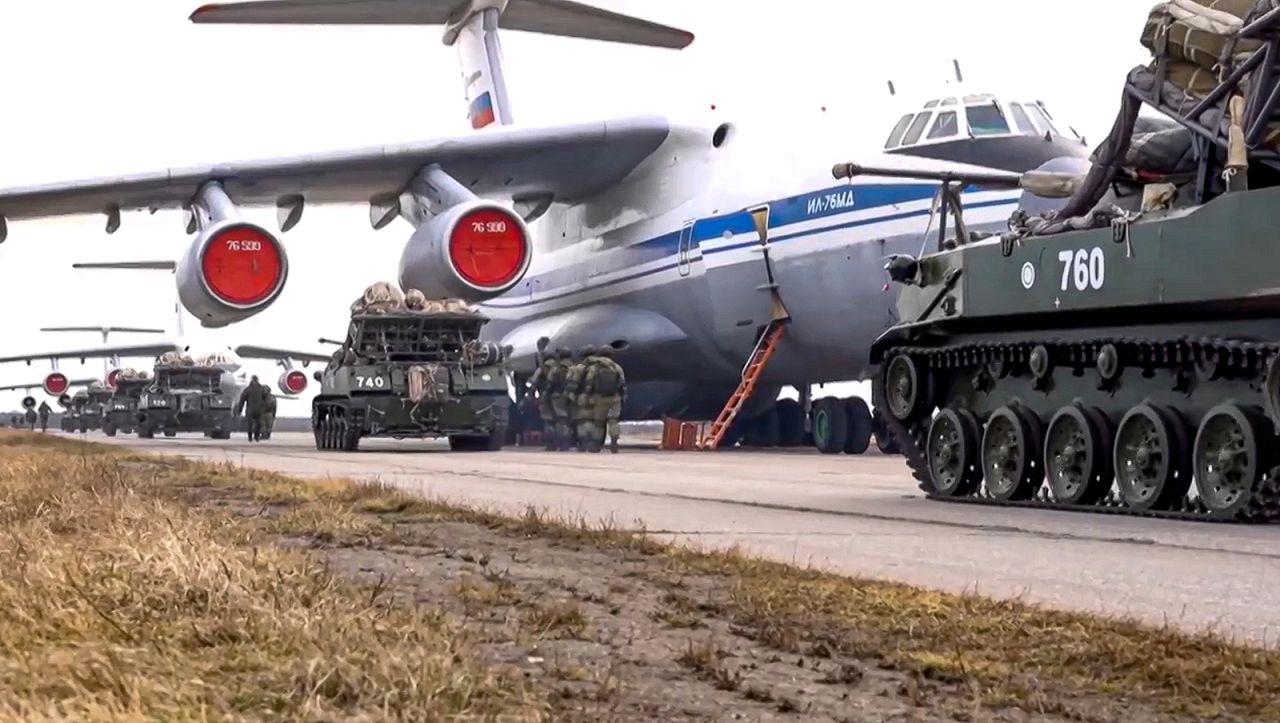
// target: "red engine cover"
[[242, 265], [292, 382], [488, 247], [55, 384], [113, 379]]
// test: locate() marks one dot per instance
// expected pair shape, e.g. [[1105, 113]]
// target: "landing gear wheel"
[[1228, 458], [1077, 456], [108, 430], [170, 433], [953, 453], [884, 438], [904, 388], [1011, 448], [830, 425], [859, 432], [764, 430], [1150, 460], [790, 423]]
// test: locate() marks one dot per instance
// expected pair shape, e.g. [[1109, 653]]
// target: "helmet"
[[562, 353], [605, 351], [587, 351]]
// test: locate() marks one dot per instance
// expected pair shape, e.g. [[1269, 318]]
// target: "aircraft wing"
[[71, 383], [263, 352], [565, 162], [101, 352]]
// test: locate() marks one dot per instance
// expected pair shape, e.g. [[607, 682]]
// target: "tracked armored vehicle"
[[413, 368], [1121, 354], [120, 412], [185, 398]]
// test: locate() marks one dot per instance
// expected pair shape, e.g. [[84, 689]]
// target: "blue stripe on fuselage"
[[837, 200]]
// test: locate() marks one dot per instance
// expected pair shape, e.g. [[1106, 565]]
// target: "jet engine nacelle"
[[55, 384], [292, 382], [474, 251], [28, 402], [112, 380], [64, 401], [233, 270]]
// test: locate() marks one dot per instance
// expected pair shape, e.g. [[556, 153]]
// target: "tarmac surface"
[[862, 516]]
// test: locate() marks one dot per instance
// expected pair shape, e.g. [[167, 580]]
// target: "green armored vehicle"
[[72, 405], [415, 369], [120, 412], [1121, 354], [185, 398]]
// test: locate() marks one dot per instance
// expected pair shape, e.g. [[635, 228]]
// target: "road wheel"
[[1151, 461], [830, 425], [859, 438], [1011, 449], [1231, 455]]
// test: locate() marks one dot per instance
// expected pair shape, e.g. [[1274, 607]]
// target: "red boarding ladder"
[[750, 373]]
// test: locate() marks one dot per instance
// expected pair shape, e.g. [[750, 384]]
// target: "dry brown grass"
[[1003, 652], [118, 603]]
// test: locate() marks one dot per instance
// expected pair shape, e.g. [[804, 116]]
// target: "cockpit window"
[[895, 137], [949, 101], [945, 126], [986, 120], [1042, 118], [917, 127], [931, 104], [1022, 120]]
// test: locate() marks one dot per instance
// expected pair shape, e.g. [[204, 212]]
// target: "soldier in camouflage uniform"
[[578, 401], [268, 412], [549, 383], [605, 387], [252, 402]]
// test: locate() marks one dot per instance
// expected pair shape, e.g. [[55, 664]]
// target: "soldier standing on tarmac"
[[549, 383], [252, 402], [45, 409], [579, 411], [268, 412], [606, 387]]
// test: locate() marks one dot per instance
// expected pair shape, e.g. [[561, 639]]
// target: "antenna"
[[892, 90], [956, 64]]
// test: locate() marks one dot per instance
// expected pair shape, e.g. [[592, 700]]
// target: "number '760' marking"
[[1083, 269]]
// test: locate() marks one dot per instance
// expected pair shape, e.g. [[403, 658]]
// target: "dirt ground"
[[618, 635], [144, 588]]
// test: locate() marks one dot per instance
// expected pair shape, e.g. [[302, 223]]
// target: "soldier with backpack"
[[549, 384], [605, 386], [579, 405]]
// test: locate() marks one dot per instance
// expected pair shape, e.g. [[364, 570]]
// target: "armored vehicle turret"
[[1121, 354], [411, 367]]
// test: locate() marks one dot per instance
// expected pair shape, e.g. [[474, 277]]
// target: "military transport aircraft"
[[291, 383], [676, 244]]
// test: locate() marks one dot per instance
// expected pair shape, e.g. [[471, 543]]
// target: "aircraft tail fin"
[[170, 266], [471, 26]]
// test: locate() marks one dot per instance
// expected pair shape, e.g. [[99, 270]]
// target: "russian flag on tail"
[[482, 111]]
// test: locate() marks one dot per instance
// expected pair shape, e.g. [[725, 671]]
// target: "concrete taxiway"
[[857, 515]]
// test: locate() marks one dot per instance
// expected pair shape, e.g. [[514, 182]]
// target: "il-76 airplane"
[[292, 382], [676, 244]]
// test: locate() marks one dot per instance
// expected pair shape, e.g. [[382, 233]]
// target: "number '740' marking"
[[1083, 269]]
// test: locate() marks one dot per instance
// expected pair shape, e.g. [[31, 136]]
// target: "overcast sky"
[[94, 88]]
